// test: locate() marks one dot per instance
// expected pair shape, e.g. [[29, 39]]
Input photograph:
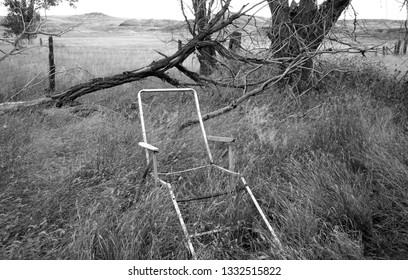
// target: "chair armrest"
[[220, 139], [149, 147]]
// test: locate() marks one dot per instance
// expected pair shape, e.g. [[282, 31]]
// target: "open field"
[[91, 50], [330, 168]]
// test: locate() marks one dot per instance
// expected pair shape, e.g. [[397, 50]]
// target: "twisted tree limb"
[[156, 68], [258, 90]]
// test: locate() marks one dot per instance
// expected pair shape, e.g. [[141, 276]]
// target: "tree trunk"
[[235, 43], [206, 54], [406, 27], [306, 22], [302, 28], [31, 19], [280, 30]]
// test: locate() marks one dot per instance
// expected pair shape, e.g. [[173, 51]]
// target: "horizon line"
[[124, 17]]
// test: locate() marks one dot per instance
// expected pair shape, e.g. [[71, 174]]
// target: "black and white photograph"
[[204, 139]]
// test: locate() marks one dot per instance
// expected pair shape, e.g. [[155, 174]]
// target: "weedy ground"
[[329, 168]]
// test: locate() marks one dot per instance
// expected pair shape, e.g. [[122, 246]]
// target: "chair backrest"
[[175, 90]]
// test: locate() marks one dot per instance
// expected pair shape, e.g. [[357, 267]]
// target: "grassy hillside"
[[154, 25], [102, 22], [99, 23]]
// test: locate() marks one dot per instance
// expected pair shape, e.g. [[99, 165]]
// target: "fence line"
[[28, 73]]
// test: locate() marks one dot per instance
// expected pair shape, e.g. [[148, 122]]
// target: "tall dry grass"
[[329, 168], [333, 170]]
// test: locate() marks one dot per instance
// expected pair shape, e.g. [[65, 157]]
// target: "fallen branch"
[[9, 107], [156, 68]]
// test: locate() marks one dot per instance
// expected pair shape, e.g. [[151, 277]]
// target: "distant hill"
[[83, 24], [99, 23], [89, 17], [380, 28], [172, 25], [154, 24], [372, 24], [149, 22]]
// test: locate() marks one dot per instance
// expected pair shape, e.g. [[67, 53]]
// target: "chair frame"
[[150, 149]]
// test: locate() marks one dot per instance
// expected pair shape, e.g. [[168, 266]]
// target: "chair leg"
[[181, 220], [156, 177], [231, 162], [275, 237]]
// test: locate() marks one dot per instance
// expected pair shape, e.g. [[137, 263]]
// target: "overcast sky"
[[170, 9]]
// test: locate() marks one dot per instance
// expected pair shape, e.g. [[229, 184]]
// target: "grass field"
[[80, 58], [330, 168]]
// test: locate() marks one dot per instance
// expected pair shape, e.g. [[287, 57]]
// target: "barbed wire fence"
[[27, 75]]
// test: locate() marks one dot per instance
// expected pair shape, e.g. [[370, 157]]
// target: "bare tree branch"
[[267, 84], [156, 68], [189, 27], [30, 29]]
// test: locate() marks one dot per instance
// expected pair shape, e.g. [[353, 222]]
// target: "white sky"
[[170, 9]]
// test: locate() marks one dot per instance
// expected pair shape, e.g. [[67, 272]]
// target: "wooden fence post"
[[397, 47], [52, 64], [179, 44], [404, 47]]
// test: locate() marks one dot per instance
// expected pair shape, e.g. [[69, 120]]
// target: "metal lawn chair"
[[151, 158]]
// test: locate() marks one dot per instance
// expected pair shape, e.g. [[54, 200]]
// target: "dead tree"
[[218, 22], [203, 10], [302, 27], [159, 68]]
